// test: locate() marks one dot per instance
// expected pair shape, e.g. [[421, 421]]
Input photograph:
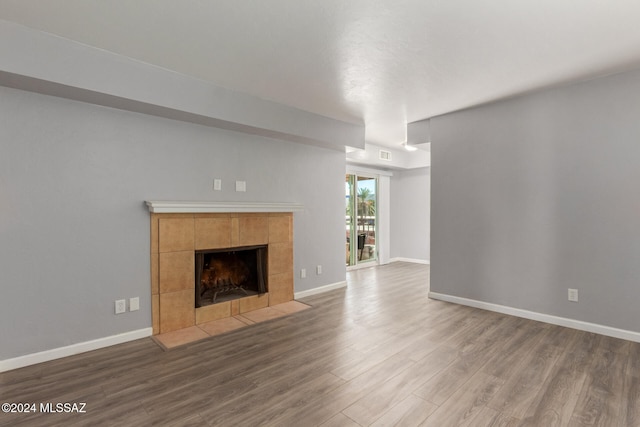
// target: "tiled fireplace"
[[179, 229]]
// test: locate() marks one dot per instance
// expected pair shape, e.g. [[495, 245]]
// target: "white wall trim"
[[320, 289], [226, 207], [413, 260], [58, 353], [541, 317], [364, 264]]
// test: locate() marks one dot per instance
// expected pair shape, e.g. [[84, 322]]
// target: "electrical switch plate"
[[303, 273], [573, 295], [134, 304], [241, 186], [217, 184], [121, 306], [319, 269]]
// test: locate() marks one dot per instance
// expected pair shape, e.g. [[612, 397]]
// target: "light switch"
[[241, 186]]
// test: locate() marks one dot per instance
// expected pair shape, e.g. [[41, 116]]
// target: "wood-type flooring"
[[376, 353]]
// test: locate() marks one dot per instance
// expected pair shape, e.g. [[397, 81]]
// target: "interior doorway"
[[361, 197]]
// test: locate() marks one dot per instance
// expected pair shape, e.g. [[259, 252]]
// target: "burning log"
[[224, 273]]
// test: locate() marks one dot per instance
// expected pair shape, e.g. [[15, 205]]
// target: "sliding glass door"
[[361, 200]]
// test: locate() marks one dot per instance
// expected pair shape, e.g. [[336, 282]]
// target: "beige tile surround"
[[175, 237]]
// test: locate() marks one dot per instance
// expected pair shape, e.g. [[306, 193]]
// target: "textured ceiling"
[[381, 63]]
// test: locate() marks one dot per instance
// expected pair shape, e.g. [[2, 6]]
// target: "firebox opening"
[[227, 274]]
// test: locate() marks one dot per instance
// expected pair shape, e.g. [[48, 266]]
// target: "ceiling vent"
[[385, 155]]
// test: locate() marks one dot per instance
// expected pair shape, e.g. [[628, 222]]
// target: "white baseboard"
[[320, 290], [413, 260], [541, 317], [57, 353]]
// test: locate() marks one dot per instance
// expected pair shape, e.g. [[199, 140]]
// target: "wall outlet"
[[241, 186], [319, 269], [217, 184], [303, 273], [573, 295], [134, 303], [121, 306]]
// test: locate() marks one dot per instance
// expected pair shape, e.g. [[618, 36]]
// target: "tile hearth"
[[199, 332]]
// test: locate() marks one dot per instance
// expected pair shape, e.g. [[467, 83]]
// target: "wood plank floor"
[[378, 353]]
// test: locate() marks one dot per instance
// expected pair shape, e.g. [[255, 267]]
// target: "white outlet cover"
[[303, 273], [217, 184], [241, 186], [134, 304], [121, 306]]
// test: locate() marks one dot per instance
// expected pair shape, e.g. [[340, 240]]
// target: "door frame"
[[383, 208]]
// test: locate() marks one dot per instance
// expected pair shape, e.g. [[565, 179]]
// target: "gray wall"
[[410, 213], [537, 194], [74, 231]]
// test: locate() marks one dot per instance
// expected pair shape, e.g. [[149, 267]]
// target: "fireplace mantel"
[[220, 207]]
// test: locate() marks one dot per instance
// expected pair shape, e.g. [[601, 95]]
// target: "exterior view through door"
[[361, 200]]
